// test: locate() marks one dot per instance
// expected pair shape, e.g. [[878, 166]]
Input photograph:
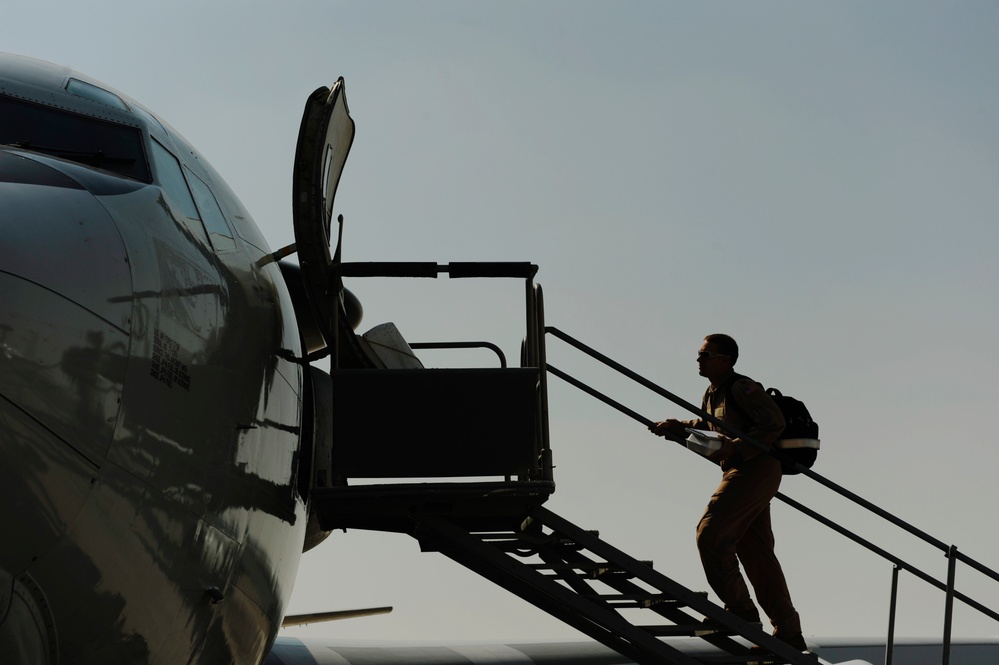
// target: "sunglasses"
[[705, 355]]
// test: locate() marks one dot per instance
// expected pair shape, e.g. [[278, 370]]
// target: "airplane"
[[166, 448]]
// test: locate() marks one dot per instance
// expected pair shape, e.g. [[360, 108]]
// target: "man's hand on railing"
[[669, 428]]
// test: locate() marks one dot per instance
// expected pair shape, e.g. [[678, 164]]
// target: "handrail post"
[[949, 604], [890, 642], [547, 465], [532, 333]]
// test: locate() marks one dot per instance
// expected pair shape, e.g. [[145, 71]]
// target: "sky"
[[816, 179]]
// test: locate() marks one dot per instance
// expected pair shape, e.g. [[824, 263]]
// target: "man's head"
[[717, 356]]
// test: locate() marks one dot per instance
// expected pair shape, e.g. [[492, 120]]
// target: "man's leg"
[[742, 495], [756, 552]]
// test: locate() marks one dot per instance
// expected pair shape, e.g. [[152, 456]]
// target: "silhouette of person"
[[736, 524]]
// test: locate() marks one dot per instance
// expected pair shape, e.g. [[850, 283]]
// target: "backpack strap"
[[730, 398]]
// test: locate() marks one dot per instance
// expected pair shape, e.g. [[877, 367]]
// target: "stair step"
[[593, 570], [749, 659], [678, 630], [663, 599], [641, 600], [506, 541], [687, 630]]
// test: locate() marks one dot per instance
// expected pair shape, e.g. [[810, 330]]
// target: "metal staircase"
[[466, 424], [584, 581], [500, 529], [502, 532]]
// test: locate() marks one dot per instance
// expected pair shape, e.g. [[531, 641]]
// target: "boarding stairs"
[[429, 436], [502, 532], [584, 581]]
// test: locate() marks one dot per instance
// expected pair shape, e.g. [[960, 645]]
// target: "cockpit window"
[[194, 199], [96, 94], [211, 213], [78, 138], [172, 180]]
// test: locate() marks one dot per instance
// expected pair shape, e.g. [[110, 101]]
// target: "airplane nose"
[[65, 310], [65, 286]]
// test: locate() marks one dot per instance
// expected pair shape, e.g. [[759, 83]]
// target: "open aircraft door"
[[324, 141], [445, 407], [325, 312]]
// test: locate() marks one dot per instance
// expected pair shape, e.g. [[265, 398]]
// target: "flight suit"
[[736, 525]]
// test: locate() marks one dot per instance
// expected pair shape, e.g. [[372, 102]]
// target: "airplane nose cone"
[[65, 308], [66, 291]]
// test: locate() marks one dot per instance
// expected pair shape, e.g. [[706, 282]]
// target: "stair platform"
[[482, 506]]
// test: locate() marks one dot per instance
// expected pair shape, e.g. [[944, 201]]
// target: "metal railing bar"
[[980, 567], [791, 502], [679, 401], [901, 563], [461, 345], [877, 510], [828, 483], [884, 514], [843, 531], [600, 396], [970, 602], [568, 339], [390, 269], [463, 269], [455, 270], [926, 577]]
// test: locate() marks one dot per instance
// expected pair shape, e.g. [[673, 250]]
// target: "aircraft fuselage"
[[151, 406]]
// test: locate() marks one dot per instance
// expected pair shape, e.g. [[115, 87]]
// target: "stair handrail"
[[950, 551]]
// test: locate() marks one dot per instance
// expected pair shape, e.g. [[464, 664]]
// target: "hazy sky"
[[817, 179]]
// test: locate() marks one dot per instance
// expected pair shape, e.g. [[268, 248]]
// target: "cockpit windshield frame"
[[95, 94], [75, 137]]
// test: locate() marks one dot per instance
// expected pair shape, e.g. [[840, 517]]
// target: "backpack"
[[799, 442]]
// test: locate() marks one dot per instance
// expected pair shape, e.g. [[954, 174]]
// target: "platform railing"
[[950, 551], [533, 349]]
